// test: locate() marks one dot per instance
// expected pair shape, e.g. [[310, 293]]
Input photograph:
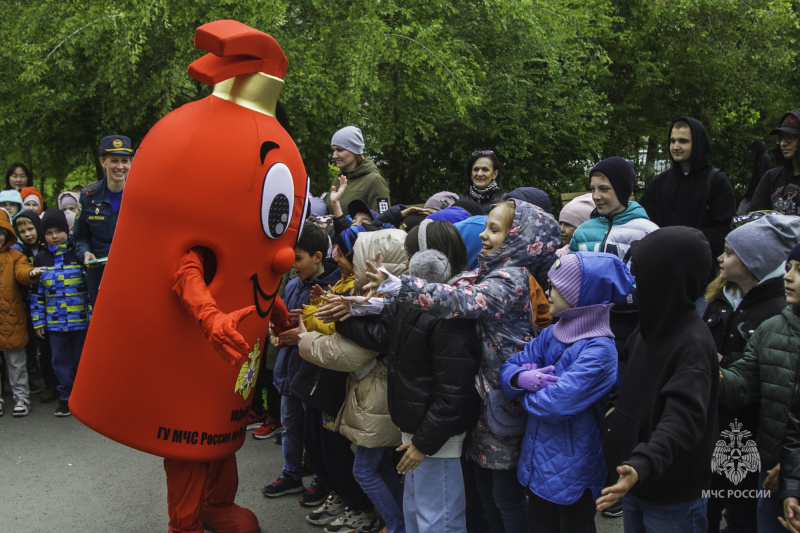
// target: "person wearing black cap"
[[99, 204], [779, 188], [692, 192]]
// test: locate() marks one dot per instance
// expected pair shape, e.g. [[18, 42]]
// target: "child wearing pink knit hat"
[[572, 215]]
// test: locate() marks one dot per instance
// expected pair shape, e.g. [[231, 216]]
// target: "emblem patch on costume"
[[249, 372], [736, 457], [383, 204]]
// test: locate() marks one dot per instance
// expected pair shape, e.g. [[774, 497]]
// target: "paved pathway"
[[56, 475]]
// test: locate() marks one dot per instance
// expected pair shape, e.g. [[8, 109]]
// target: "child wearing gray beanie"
[[748, 292]]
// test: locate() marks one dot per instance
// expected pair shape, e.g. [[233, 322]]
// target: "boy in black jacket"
[[661, 430]]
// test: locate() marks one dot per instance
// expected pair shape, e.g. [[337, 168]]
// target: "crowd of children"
[[476, 365], [46, 311]]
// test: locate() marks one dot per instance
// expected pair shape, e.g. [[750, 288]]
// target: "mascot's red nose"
[[283, 261]]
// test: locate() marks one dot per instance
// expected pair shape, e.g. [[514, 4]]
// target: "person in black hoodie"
[[779, 188], [692, 192], [662, 427]]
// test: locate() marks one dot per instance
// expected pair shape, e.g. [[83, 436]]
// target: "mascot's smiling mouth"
[[258, 291]]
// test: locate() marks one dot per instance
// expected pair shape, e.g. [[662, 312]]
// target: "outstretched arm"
[[218, 327]]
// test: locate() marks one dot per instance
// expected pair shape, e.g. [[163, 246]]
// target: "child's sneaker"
[[313, 495], [369, 523], [354, 522], [268, 429], [326, 513], [62, 409], [255, 420], [22, 406], [282, 486]]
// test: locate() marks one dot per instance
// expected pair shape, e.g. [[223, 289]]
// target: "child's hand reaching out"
[[376, 277]]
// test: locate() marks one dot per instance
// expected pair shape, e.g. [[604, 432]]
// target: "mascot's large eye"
[[277, 200]]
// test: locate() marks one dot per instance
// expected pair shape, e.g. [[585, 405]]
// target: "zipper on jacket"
[[316, 381], [605, 237]]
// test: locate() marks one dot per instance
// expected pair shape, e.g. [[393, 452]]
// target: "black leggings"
[[549, 517]]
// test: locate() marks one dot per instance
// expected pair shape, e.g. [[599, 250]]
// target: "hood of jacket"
[[12, 195], [37, 223], [366, 167], [532, 241], [701, 148], [670, 267], [5, 225], [604, 279], [390, 243]]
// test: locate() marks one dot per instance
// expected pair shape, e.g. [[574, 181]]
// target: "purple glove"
[[529, 366], [535, 380]]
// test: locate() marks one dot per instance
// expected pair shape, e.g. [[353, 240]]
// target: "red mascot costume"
[[150, 378]]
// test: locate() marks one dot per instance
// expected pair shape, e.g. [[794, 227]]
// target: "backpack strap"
[[711, 175]]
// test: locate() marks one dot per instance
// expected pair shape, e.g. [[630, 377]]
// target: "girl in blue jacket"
[[561, 378], [519, 238]]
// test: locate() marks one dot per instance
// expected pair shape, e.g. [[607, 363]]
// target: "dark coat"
[[790, 454], [297, 293], [664, 422], [432, 367], [94, 228], [675, 199], [779, 188], [731, 329]]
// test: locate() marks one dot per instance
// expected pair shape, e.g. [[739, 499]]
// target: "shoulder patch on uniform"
[[90, 189]]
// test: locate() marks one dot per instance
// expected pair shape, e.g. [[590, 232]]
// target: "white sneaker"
[[326, 513], [22, 406], [352, 522]]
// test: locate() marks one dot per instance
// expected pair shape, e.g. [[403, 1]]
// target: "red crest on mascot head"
[[220, 173]]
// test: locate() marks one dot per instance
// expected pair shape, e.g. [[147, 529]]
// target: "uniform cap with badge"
[[116, 144]]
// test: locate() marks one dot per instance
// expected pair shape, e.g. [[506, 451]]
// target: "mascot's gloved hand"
[[218, 327], [535, 380], [280, 318], [220, 330]]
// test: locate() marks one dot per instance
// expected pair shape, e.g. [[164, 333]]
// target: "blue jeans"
[[433, 497], [66, 347], [769, 509], [641, 516], [293, 422], [375, 472], [503, 498]]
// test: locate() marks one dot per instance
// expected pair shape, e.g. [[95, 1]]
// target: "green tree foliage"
[[728, 63], [550, 85]]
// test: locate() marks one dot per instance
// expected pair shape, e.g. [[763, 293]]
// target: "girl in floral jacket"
[[518, 237]]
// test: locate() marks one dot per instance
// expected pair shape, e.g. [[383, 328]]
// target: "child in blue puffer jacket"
[[561, 378]]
